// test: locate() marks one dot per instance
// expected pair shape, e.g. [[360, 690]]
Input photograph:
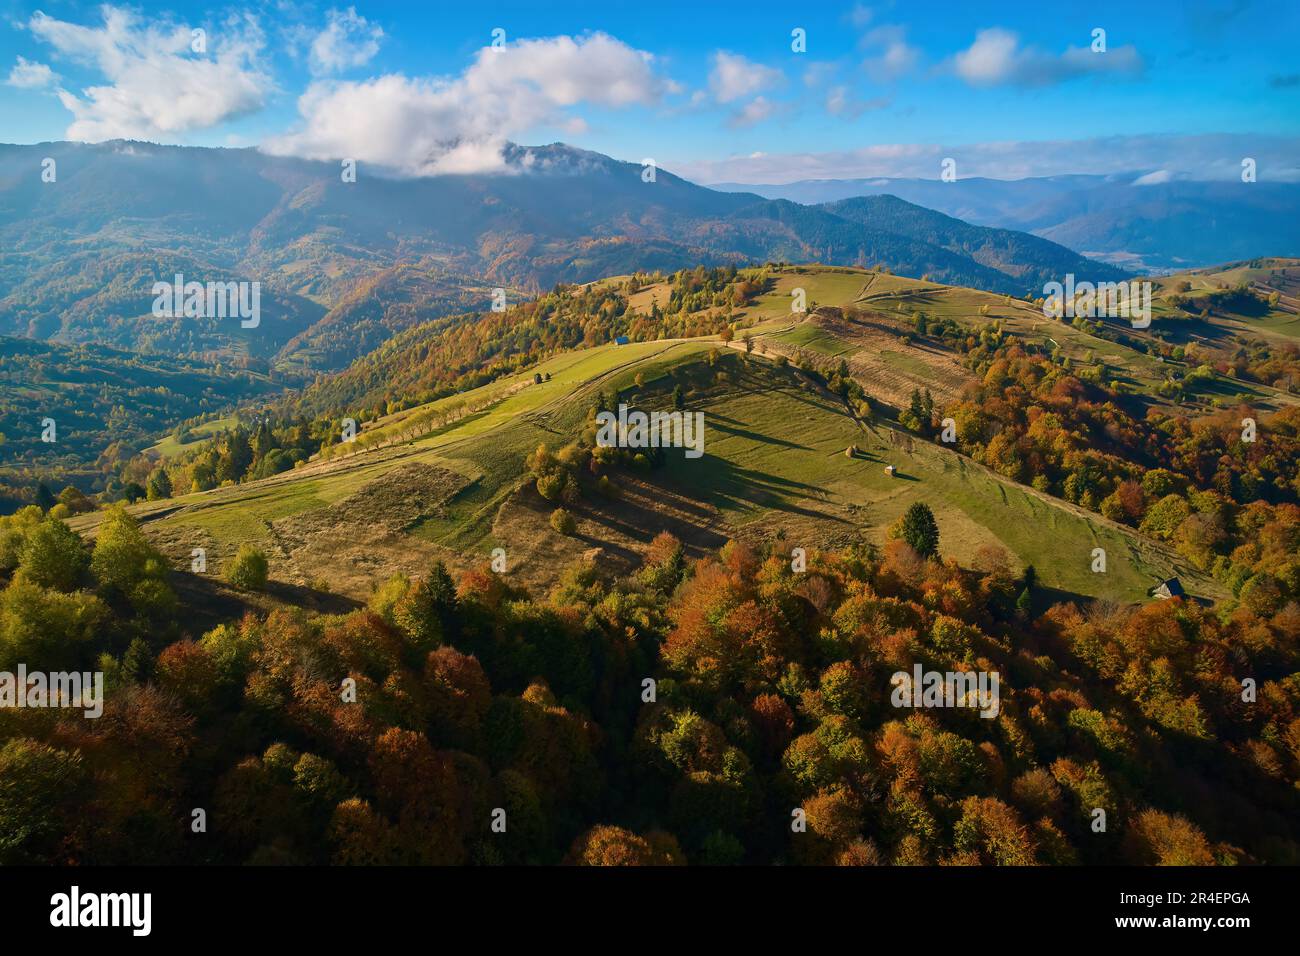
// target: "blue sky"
[[711, 89]]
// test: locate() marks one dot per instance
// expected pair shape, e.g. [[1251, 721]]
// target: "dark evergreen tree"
[[919, 529]]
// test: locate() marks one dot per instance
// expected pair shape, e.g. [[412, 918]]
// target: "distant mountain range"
[[1137, 221], [343, 266]]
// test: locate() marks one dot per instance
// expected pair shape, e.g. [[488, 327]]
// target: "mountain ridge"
[[1129, 219], [312, 240]]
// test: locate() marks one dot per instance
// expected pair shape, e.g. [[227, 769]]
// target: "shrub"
[[247, 569], [563, 521]]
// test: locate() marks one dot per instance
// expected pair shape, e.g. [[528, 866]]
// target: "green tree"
[[919, 529], [76, 500], [236, 455], [53, 556], [1164, 517], [40, 788], [46, 629], [123, 558], [248, 568], [428, 612], [551, 485], [45, 499], [916, 406], [159, 484], [14, 530]]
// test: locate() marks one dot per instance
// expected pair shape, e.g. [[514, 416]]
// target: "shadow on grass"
[[757, 436], [729, 486], [207, 601], [642, 512]]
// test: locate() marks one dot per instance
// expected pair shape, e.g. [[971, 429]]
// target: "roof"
[[1168, 588]]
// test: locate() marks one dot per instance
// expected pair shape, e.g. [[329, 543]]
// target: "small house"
[[1167, 589], [889, 470], [621, 340]]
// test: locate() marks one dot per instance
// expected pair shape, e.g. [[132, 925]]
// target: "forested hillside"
[[105, 407], [477, 616], [691, 712]]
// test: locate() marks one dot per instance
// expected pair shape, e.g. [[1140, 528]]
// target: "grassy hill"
[[1139, 359], [774, 468], [446, 479]]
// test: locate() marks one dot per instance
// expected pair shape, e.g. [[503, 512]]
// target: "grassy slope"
[[775, 447], [774, 463], [169, 447], [1280, 275], [230, 516], [903, 297], [775, 460]]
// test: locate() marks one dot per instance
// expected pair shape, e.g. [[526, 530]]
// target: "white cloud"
[[996, 58], [990, 59], [734, 77], [841, 101], [818, 73], [1154, 179], [565, 71], [894, 57], [347, 41], [158, 87], [27, 75], [755, 111], [434, 125], [860, 15], [1201, 157]]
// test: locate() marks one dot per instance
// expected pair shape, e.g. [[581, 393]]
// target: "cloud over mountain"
[[1206, 157], [432, 125]]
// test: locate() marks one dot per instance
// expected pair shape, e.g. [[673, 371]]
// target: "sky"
[[715, 90]]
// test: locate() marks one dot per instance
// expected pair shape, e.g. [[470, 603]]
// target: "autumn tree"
[[615, 846]]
